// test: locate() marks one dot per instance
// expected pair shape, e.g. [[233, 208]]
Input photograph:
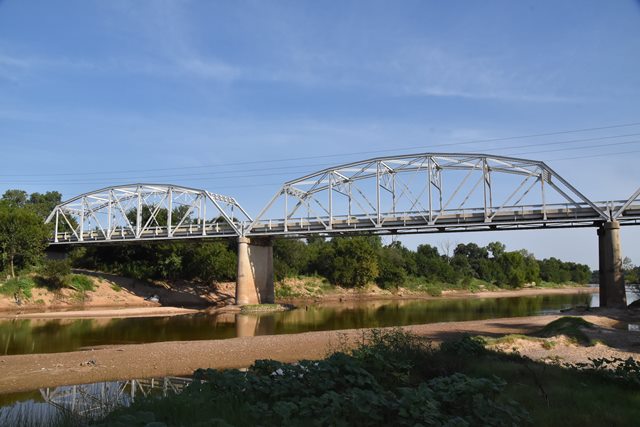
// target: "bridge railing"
[[550, 213]]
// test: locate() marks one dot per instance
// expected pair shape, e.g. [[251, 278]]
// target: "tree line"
[[355, 261], [344, 261]]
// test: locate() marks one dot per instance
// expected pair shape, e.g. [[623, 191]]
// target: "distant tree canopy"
[[391, 265], [41, 204]]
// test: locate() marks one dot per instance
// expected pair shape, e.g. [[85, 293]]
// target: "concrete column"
[[602, 267], [245, 286], [612, 290], [255, 272]]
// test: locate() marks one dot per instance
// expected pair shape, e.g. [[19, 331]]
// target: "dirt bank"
[[28, 372], [351, 295], [115, 292], [116, 296]]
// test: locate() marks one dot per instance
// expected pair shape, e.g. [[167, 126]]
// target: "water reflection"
[[19, 336], [81, 403]]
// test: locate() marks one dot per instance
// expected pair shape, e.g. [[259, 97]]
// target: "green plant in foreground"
[[387, 380], [627, 370]]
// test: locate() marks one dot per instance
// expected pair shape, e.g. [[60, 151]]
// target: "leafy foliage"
[[206, 261], [355, 261], [19, 287], [626, 370], [56, 272], [371, 386], [23, 237]]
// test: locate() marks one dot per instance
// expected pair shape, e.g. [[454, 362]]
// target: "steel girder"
[[419, 193], [427, 192], [629, 211], [146, 212]]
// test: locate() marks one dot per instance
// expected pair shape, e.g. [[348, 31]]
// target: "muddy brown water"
[[23, 336]]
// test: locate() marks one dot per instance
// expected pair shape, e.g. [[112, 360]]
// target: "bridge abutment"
[[254, 283], [612, 290]]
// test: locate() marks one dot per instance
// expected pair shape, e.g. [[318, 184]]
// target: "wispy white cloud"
[[165, 44]]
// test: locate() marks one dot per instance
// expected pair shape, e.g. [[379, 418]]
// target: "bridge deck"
[[564, 216]]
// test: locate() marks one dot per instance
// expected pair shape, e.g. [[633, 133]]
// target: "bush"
[[56, 272], [368, 387], [82, 283], [19, 287]]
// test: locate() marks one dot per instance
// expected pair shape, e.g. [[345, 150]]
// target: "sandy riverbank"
[[28, 372]]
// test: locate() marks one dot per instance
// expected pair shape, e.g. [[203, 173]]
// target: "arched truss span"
[[146, 212], [427, 192]]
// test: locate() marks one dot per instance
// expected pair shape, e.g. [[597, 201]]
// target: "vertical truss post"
[[544, 202], [331, 199], [378, 193], [55, 236], [109, 214], [488, 192], [81, 237], [349, 218], [430, 195], [204, 218], [139, 213], [393, 193], [169, 211], [440, 181], [286, 209]]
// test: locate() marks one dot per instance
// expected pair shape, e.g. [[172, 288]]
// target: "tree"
[[23, 236], [496, 249], [477, 258], [43, 204], [354, 261], [15, 198], [513, 268], [290, 257], [211, 261], [392, 262], [446, 247]]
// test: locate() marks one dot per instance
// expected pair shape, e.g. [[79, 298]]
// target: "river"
[[21, 336]]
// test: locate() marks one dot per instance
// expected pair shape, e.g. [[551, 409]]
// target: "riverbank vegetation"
[[348, 262], [394, 378]]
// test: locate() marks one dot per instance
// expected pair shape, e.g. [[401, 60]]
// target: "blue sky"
[[94, 93]]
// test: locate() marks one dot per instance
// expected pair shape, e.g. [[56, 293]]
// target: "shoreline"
[[115, 311], [26, 372]]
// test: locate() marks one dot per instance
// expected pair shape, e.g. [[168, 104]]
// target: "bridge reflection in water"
[[83, 402]]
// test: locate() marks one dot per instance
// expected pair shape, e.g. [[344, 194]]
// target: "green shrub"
[[81, 283], [369, 387], [19, 286], [283, 290], [56, 272], [626, 370]]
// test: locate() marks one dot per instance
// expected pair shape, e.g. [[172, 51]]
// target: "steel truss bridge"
[[405, 194]]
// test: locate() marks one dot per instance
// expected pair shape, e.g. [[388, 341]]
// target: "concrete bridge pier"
[[254, 283], [612, 290]]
